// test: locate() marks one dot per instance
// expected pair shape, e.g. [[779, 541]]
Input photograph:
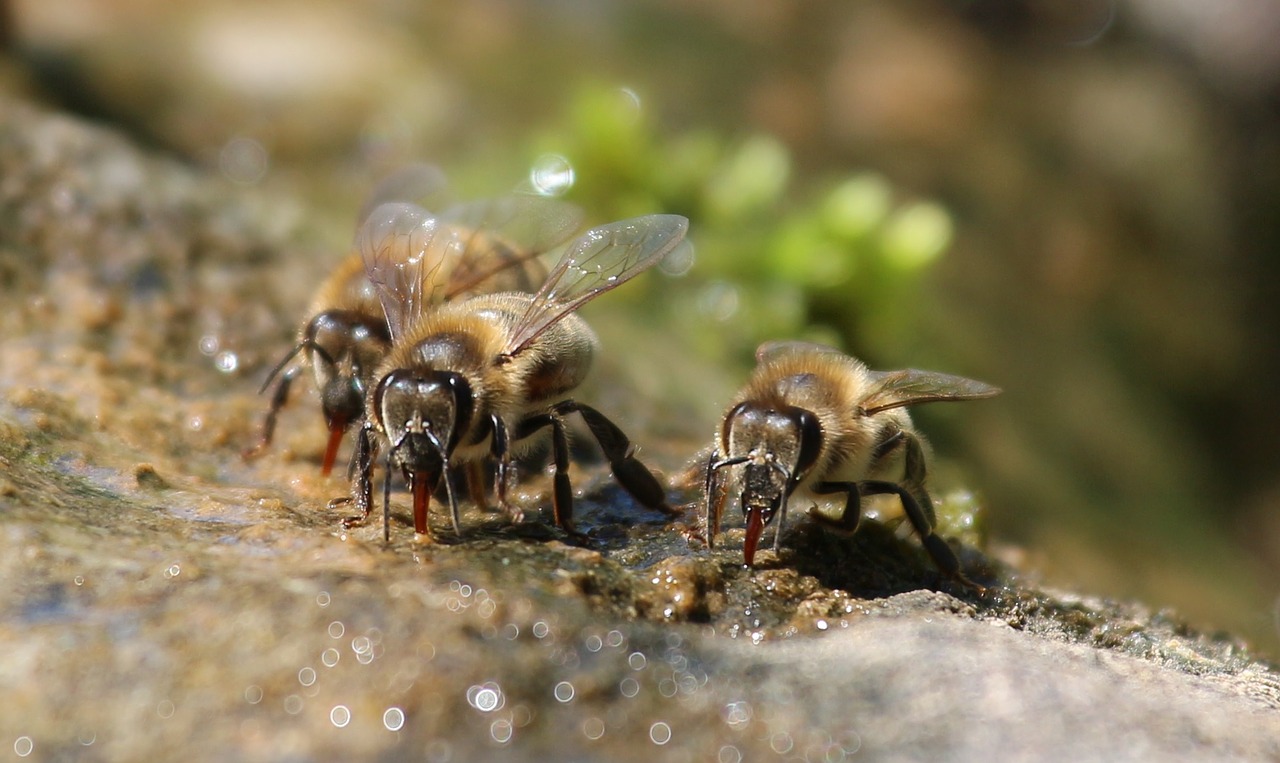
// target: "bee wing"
[[504, 233], [601, 259], [419, 183], [895, 389], [404, 248], [777, 348]]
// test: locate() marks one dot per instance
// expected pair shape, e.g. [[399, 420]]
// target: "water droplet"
[[330, 657], [679, 260], [660, 733], [173, 570], [667, 687], [485, 697], [822, 625], [629, 687], [336, 628], [323, 600], [293, 704], [165, 709], [501, 730], [511, 631], [594, 643], [79, 580], [781, 742], [23, 746], [340, 716], [718, 300], [737, 714], [729, 754], [361, 645], [636, 660], [253, 694], [393, 719], [243, 160], [226, 361], [209, 344], [87, 737], [307, 676], [364, 658], [616, 639], [541, 629], [195, 423], [551, 175], [564, 692]]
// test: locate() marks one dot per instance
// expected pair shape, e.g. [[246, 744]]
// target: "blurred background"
[[1076, 200]]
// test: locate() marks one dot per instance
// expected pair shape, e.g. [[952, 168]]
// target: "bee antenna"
[[713, 466], [444, 475]]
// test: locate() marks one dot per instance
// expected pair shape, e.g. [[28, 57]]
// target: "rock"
[[166, 600]]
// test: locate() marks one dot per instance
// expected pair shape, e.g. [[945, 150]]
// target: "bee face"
[[343, 348], [422, 413]]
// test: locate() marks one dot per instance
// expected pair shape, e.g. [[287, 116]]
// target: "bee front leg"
[[562, 495], [499, 448], [362, 480], [634, 476], [278, 399]]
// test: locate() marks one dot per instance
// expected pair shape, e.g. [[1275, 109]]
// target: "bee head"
[[776, 446], [423, 412], [344, 348]]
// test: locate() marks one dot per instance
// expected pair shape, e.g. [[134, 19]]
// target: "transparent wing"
[[404, 248], [501, 237], [418, 183], [778, 348], [601, 259], [895, 389]]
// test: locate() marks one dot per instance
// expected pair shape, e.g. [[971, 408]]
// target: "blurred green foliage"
[[771, 253]]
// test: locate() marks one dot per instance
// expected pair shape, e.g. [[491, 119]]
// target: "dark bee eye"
[[810, 440]]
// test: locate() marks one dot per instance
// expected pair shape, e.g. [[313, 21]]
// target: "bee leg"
[[942, 555], [852, 516], [562, 494], [476, 486], [278, 399], [499, 448], [913, 477], [362, 481], [634, 476]]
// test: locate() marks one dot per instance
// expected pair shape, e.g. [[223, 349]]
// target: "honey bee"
[[814, 421], [477, 247], [479, 378]]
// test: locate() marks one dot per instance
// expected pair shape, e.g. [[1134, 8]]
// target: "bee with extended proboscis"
[[481, 377], [814, 421], [485, 246]]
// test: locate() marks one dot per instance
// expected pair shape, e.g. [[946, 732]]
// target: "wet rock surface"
[[164, 599]]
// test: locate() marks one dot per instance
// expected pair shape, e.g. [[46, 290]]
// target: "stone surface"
[[163, 599]]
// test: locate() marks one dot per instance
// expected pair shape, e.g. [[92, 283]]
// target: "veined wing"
[[777, 348], [502, 239], [405, 248], [418, 183], [601, 259], [895, 389]]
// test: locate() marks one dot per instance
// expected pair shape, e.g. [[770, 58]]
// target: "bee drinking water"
[[480, 377], [813, 421]]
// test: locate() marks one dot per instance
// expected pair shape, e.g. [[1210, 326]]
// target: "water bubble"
[[364, 658], [729, 754], [323, 600], [209, 344], [501, 730], [636, 660], [718, 300], [306, 676], [439, 751], [361, 645], [511, 631], [541, 629], [822, 625], [629, 687], [23, 746], [564, 692], [593, 728], [781, 742], [679, 260], [667, 687], [594, 643], [173, 570], [340, 716], [253, 694], [165, 709], [79, 580], [660, 733], [737, 714], [243, 160], [293, 704], [393, 719], [485, 697], [226, 361], [850, 741], [195, 423], [330, 657], [615, 639], [87, 737], [336, 628], [551, 175]]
